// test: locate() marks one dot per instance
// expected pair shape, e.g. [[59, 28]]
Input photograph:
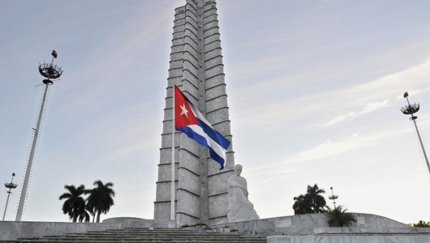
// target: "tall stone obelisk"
[[196, 67]]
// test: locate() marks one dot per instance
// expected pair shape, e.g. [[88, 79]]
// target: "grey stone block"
[[189, 181], [212, 46], [218, 116], [213, 53], [216, 103], [190, 161], [212, 11], [163, 191], [211, 31], [177, 35], [165, 173], [176, 64], [213, 62], [166, 140], [191, 205], [179, 48]]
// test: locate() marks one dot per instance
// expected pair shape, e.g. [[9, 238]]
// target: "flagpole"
[[172, 193]]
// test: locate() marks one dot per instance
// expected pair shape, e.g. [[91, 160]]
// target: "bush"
[[338, 217], [421, 223]]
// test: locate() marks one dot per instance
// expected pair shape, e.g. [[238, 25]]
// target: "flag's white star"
[[184, 110]]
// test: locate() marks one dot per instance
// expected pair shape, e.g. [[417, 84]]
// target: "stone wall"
[[11, 230], [353, 238], [307, 223], [310, 228]]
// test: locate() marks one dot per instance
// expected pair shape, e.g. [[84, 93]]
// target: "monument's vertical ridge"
[[217, 111], [163, 185], [196, 68]]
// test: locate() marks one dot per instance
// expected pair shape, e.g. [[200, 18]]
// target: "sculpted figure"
[[239, 207]]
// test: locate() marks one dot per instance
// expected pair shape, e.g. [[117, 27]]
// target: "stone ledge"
[[371, 230], [357, 238]]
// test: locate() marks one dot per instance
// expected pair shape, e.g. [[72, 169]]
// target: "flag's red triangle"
[[184, 116]]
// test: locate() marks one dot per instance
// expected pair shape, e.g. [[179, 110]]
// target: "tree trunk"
[[98, 216]]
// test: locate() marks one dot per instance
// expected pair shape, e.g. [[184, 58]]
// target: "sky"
[[314, 89]]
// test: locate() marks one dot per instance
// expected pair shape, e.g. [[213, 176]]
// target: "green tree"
[[74, 206], [338, 217], [421, 223], [100, 198], [311, 202], [301, 205], [316, 201]]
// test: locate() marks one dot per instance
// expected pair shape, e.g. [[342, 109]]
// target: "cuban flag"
[[190, 121]]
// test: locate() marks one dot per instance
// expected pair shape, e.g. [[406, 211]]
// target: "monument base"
[[11, 230], [307, 223], [309, 228], [304, 228]]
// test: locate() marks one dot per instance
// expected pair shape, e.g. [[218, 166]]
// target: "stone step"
[[158, 236], [149, 233], [151, 238], [155, 233], [143, 240], [135, 235], [158, 231], [146, 239], [224, 236], [162, 234], [128, 241]]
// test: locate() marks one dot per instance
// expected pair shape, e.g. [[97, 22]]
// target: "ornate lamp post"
[[333, 197], [411, 110], [10, 186], [51, 72]]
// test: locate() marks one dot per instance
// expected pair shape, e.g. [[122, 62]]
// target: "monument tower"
[[196, 67]]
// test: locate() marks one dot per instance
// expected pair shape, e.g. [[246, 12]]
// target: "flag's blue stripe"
[[217, 158], [190, 133], [201, 140], [215, 135], [209, 130]]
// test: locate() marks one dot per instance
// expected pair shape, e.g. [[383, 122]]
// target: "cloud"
[[312, 110], [370, 107], [122, 54], [329, 149]]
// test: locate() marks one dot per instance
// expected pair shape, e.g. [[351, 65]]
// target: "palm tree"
[[84, 216], [100, 199], [301, 205], [317, 201], [338, 217], [74, 205], [311, 202], [89, 208]]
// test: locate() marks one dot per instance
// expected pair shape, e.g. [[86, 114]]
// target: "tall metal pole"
[[30, 159], [50, 71], [11, 186], [410, 110], [422, 146], [172, 187], [419, 138]]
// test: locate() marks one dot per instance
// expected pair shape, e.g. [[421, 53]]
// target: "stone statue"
[[239, 207]]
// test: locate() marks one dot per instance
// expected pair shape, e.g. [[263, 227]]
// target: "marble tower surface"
[[196, 67]]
